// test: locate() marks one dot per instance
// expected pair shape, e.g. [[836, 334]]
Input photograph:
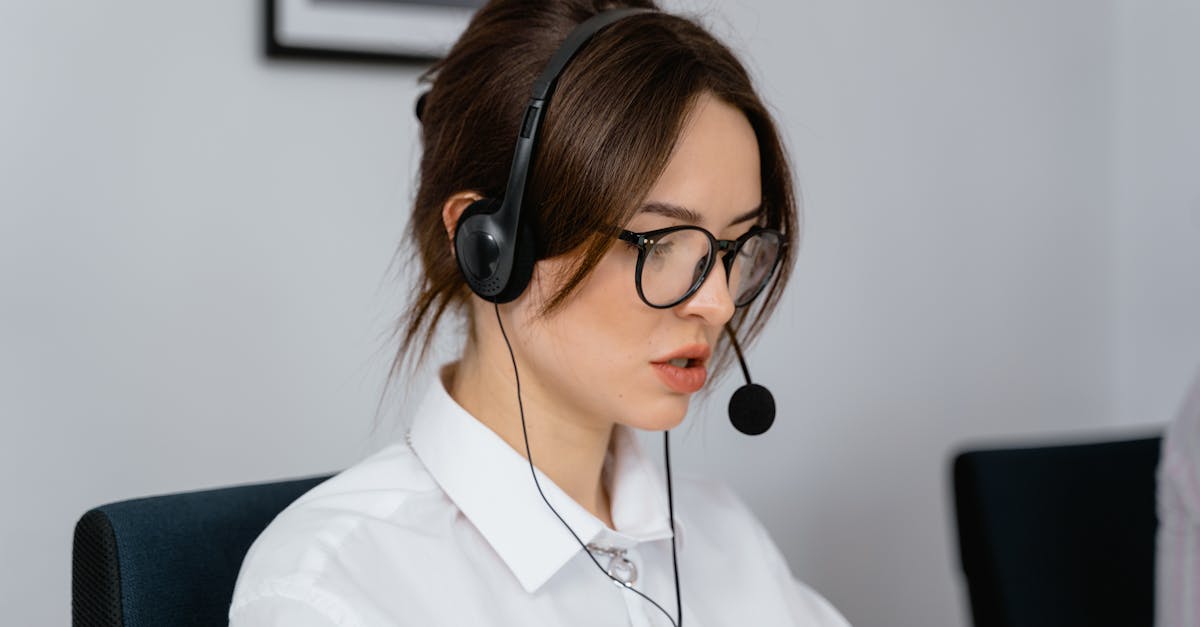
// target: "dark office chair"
[[1059, 535], [173, 559]]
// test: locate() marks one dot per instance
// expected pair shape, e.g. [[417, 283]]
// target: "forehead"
[[714, 169]]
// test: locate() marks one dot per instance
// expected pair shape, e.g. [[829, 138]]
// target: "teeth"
[[682, 362]]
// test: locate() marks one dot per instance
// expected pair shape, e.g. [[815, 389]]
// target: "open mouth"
[[682, 375]]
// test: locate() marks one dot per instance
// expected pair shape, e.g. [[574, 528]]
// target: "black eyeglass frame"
[[730, 248]]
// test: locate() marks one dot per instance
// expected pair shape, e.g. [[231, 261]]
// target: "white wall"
[[1157, 193], [194, 246], [955, 281]]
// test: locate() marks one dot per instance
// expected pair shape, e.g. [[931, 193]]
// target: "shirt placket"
[[629, 559], [641, 613], [627, 565]]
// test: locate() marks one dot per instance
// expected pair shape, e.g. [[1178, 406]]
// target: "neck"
[[568, 448]]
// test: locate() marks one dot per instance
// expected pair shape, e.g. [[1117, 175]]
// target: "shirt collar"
[[491, 484]]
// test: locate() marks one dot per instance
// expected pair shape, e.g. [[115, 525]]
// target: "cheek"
[[618, 316], [597, 350], [604, 330]]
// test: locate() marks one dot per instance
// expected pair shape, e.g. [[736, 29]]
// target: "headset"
[[496, 252]]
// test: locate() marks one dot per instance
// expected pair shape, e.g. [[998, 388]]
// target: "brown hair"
[[608, 134]]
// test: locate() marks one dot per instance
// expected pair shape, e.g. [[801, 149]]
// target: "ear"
[[453, 208]]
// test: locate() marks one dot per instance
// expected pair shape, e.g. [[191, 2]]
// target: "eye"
[[660, 249]]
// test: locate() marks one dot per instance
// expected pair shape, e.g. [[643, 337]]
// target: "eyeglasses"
[[674, 262]]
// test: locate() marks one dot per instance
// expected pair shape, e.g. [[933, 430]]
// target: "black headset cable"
[[670, 497]]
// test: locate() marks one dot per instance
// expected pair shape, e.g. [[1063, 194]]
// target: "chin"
[[661, 415]]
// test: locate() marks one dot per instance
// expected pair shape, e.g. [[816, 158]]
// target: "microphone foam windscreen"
[[752, 409]]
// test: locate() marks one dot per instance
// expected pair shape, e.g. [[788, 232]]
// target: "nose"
[[712, 301]]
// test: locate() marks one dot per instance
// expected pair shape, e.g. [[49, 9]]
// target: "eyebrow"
[[690, 216]]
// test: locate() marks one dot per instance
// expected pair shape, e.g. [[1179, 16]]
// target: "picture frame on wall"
[[401, 31]]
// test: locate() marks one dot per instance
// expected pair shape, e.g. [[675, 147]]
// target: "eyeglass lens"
[[674, 265]]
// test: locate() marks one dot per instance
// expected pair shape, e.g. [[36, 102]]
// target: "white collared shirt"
[[447, 528]]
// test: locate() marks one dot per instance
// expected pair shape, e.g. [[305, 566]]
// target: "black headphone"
[[494, 247], [496, 253], [496, 250]]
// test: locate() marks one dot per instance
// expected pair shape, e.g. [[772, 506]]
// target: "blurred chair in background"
[[1059, 535], [171, 559]]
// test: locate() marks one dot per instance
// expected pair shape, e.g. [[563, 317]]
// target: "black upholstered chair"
[[173, 559], [1059, 535]]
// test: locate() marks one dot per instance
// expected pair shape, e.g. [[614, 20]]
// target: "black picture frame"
[[364, 31]]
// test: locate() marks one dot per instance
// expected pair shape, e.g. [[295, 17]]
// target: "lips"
[[683, 371]]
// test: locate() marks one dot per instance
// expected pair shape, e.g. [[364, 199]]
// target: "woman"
[[651, 213]]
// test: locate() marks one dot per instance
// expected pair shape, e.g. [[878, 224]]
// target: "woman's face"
[[601, 356]]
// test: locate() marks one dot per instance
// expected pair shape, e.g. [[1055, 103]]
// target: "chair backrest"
[[1059, 535], [171, 559]]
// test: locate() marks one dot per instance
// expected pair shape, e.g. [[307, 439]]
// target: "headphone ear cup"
[[522, 270], [477, 251], [476, 258]]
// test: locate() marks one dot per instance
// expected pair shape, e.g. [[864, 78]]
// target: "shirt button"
[[619, 567], [623, 570]]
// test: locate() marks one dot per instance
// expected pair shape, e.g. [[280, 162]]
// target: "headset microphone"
[[751, 408]]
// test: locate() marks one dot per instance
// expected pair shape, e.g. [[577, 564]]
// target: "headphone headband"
[[543, 89], [494, 251], [571, 45]]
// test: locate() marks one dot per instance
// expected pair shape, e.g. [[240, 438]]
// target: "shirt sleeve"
[[1178, 562], [279, 612], [290, 602]]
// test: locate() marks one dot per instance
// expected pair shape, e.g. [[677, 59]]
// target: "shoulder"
[[712, 510], [723, 533], [307, 556]]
